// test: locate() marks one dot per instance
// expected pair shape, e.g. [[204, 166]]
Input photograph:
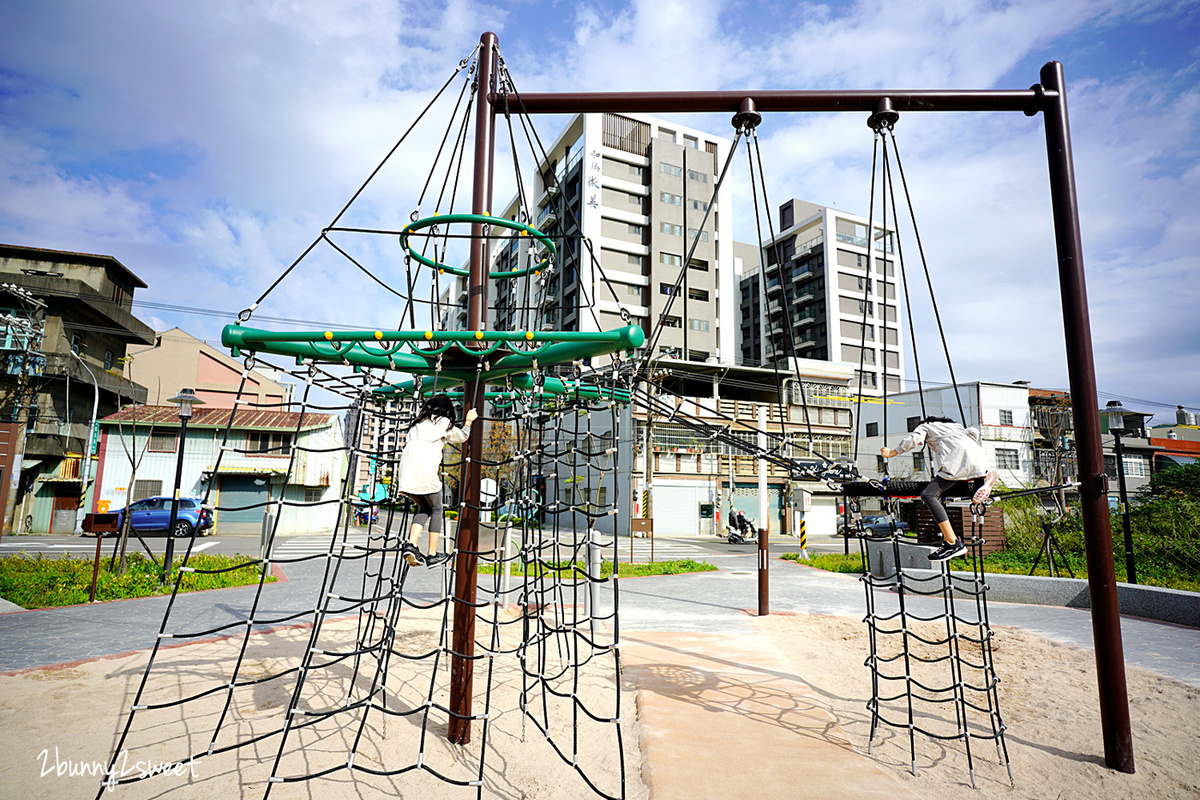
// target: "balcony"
[[807, 247], [1007, 433], [65, 365]]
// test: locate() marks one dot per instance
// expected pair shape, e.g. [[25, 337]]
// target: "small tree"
[[1182, 480]]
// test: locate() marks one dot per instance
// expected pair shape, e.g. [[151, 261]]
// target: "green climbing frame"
[[484, 219]]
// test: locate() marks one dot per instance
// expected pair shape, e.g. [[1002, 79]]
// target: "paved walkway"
[[711, 685]]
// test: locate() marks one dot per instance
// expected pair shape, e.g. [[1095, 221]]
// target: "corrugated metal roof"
[[247, 418]]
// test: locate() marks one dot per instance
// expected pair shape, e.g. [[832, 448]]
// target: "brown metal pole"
[[764, 594], [825, 100], [462, 664], [1093, 491]]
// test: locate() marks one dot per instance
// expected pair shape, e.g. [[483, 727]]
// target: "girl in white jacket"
[[419, 479], [958, 457]]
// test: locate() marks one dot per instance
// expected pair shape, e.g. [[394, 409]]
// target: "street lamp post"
[[1115, 414], [186, 399]]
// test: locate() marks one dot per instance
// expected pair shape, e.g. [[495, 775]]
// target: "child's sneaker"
[[412, 555], [948, 551]]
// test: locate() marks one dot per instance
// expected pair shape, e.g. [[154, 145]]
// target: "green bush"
[[42, 582], [1164, 527]]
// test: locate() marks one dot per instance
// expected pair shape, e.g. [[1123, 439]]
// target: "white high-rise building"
[[638, 190], [836, 310]]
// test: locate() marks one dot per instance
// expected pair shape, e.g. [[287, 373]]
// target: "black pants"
[[429, 511], [938, 487]]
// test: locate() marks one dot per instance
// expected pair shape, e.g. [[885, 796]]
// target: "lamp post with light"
[[1114, 413], [185, 399]]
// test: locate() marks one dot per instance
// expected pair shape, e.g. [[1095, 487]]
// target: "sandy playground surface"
[[69, 715]]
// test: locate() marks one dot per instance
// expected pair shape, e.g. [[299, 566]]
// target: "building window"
[[872, 429], [671, 322], [633, 291], [698, 324], [1006, 417], [866, 307], [163, 441], [633, 258], [76, 343], [1007, 458], [698, 294], [912, 423], [866, 380], [313, 494], [670, 259], [690, 141], [674, 230], [918, 462], [634, 169], [666, 288], [693, 233], [268, 443], [698, 205], [698, 355], [108, 360], [670, 169], [700, 177], [144, 489], [636, 230], [698, 263], [1135, 466], [670, 199]]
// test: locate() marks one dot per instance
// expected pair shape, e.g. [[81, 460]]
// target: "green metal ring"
[[428, 222]]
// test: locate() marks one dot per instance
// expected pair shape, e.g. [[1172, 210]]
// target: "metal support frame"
[[1047, 97], [462, 664]]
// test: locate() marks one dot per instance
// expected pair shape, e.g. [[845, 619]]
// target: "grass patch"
[[830, 562], [42, 582], [575, 570]]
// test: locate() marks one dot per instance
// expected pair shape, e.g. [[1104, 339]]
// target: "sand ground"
[[1048, 701], [73, 715]]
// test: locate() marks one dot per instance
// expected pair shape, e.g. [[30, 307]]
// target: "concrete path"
[[726, 717]]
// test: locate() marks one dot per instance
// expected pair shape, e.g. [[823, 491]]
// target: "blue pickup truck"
[[154, 514]]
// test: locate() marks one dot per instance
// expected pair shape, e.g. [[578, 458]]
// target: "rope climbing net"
[[521, 622], [931, 646]]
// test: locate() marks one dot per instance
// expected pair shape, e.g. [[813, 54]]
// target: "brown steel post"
[[462, 665], [764, 595], [1102, 581]]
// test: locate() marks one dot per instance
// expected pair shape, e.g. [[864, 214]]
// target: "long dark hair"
[[937, 419], [438, 405]]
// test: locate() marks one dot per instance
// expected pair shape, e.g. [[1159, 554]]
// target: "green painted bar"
[[576, 345]]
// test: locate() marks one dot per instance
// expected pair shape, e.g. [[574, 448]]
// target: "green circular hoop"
[[501, 222]]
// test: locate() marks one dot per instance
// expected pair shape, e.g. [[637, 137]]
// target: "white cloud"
[[206, 146]]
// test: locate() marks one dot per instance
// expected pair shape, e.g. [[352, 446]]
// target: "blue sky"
[[205, 145]]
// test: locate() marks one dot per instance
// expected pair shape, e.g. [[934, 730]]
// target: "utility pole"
[[27, 332]]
